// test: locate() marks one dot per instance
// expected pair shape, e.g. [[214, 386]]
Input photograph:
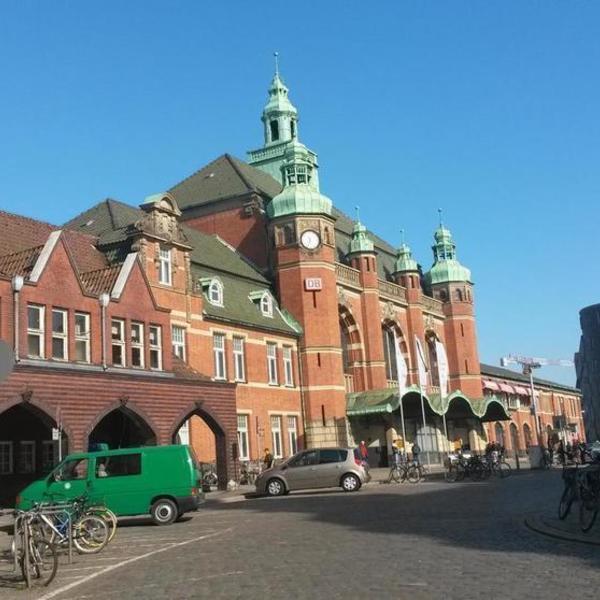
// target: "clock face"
[[310, 239]]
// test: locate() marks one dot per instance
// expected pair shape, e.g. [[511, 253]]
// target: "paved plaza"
[[432, 540]]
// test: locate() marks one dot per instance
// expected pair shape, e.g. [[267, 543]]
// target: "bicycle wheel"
[[413, 474], [588, 511], [566, 501], [504, 469], [108, 516], [451, 475], [394, 475], [90, 534], [42, 562], [460, 472]]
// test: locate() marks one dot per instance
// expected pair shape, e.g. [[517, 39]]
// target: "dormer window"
[[266, 305], [274, 130], [215, 292]]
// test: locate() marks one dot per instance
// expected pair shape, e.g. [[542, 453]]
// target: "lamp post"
[[104, 300], [17, 285]]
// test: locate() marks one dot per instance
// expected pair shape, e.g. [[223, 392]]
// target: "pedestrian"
[[416, 450], [267, 459], [396, 452], [364, 453]]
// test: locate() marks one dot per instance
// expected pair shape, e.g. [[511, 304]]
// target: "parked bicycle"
[[403, 470]]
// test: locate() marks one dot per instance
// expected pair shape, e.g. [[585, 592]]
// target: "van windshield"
[[76, 468]]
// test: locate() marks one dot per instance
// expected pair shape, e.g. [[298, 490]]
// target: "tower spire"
[[441, 221], [276, 55]]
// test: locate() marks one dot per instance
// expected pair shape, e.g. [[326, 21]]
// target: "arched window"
[[527, 435], [434, 373], [499, 434], [215, 292], [459, 295], [293, 128], [266, 305]]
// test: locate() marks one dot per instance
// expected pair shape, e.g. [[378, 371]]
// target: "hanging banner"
[[401, 369], [421, 363], [442, 361]]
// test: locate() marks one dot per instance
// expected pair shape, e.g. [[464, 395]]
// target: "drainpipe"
[[301, 388], [17, 286], [104, 299]]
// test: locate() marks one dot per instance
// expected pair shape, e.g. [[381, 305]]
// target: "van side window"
[[76, 468], [118, 466]]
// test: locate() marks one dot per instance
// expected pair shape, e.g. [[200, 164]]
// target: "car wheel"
[[350, 483], [275, 487], [164, 512]]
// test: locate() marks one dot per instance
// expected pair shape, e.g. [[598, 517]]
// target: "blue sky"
[[486, 109]]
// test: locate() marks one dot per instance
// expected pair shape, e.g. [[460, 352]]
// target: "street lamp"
[[104, 300]]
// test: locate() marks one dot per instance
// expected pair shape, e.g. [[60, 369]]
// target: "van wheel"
[[275, 487], [164, 512], [350, 483]]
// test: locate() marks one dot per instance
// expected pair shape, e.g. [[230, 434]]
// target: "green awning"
[[373, 402]]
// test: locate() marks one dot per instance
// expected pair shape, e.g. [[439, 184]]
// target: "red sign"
[[313, 284]]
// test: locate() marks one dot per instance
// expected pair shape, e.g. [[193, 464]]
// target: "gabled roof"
[[225, 177], [113, 222], [502, 373], [101, 280], [19, 263]]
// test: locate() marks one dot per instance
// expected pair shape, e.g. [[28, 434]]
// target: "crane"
[[528, 364]]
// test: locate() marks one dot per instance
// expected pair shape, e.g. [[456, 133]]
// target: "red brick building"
[[240, 310]]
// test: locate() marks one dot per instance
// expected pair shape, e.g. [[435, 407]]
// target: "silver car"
[[315, 468]]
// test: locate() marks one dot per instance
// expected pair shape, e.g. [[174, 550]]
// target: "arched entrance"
[[122, 427], [27, 450], [205, 435], [393, 338]]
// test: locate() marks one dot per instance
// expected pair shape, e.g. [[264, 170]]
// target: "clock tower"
[[302, 236]]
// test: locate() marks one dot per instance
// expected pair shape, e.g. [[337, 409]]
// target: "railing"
[[432, 305], [349, 382], [392, 290], [347, 275]]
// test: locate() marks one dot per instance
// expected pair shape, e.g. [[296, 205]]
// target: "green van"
[[161, 480]]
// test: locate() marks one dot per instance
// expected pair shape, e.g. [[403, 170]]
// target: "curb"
[[538, 525]]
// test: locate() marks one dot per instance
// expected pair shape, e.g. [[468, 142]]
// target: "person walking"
[[364, 453], [267, 459], [416, 451]]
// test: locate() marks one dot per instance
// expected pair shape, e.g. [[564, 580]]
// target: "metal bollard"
[[70, 538]]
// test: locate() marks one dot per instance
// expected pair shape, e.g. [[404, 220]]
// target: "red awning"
[[522, 391], [490, 385], [509, 389]]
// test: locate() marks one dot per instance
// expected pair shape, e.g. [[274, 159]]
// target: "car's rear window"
[[332, 456]]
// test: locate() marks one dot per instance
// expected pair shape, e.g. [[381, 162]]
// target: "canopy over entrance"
[[456, 405]]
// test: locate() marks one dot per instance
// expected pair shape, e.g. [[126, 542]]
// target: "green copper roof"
[[404, 260], [445, 265], [360, 242], [279, 101], [300, 194]]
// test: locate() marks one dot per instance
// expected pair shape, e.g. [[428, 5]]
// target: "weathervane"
[[276, 55]]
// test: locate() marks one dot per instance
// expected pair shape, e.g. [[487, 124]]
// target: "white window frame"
[[139, 345], [120, 342], [239, 358], [272, 363], [243, 434], [39, 333], [288, 367], [276, 438], [266, 305], [84, 337], [6, 445], [292, 433], [28, 444], [178, 344], [215, 293], [156, 348], [62, 336], [220, 359], [165, 264]]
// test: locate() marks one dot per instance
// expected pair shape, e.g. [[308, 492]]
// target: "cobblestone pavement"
[[432, 540]]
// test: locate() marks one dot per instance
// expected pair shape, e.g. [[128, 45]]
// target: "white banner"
[[421, 363], [401, 369], [442, 361]]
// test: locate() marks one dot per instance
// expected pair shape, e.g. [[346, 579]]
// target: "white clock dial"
[[310, 239]]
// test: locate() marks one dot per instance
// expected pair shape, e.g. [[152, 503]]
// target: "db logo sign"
[[313, 284]]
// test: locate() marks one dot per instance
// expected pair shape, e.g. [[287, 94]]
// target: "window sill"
[[219, 378], [240, 381], [290, 386], [273, 384]]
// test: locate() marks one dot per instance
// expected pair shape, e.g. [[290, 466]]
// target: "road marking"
[[110, 568]]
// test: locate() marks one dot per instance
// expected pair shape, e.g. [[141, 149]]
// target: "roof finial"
[[440, 213], [402, 236], [276, 55], [357, 211]]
